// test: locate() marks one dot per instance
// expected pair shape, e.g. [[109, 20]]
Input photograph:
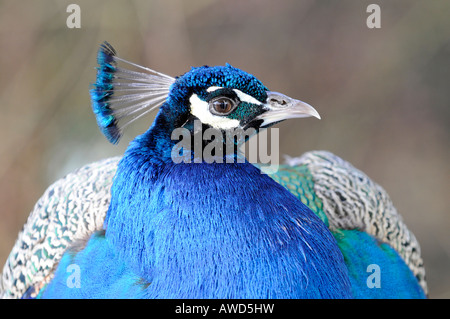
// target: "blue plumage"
[[186, 241], [361, 251], [197, 79], [103, 274]]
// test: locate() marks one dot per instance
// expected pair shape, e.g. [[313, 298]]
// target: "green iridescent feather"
[[299, 181]]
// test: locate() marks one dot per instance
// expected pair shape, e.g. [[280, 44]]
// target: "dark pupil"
[[222, 106]]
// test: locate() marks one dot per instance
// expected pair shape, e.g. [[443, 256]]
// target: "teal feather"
[[361, 250]]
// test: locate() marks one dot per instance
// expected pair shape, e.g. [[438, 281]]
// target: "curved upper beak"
[[280, 107]]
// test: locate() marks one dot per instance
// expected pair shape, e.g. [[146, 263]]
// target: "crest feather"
[[121, 95]]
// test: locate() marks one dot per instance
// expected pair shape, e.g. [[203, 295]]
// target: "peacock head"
[[220, 97]]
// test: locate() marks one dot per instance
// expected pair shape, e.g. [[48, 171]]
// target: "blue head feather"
[[199, 78], [120, 93], [225, 76]]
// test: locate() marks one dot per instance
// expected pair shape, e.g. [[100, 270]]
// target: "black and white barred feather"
[[72, 208], [351, 200]]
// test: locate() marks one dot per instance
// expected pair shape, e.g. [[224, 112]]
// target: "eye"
[[222, 106]]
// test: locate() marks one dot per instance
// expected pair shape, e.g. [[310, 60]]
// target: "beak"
[[280, 107]]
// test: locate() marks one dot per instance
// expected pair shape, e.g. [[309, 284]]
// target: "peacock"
[[165, 221]]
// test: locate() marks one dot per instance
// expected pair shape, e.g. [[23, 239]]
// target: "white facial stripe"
[[213, 88], [200, 109], [246, 98], [241, 95]]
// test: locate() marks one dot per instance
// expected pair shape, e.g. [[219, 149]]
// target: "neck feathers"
[[219, 230]]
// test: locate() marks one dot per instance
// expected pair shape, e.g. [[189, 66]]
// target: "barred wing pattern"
[[72, 208], [351, 200]]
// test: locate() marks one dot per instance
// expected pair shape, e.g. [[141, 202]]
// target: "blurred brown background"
[[383, 94]]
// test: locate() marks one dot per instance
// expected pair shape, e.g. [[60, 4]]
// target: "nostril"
[[274, 101], [278, 100]]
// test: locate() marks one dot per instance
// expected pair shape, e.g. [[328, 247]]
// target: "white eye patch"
[[200, 109], [241, 95]]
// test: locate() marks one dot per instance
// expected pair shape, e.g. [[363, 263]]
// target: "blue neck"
[[217, 231]]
